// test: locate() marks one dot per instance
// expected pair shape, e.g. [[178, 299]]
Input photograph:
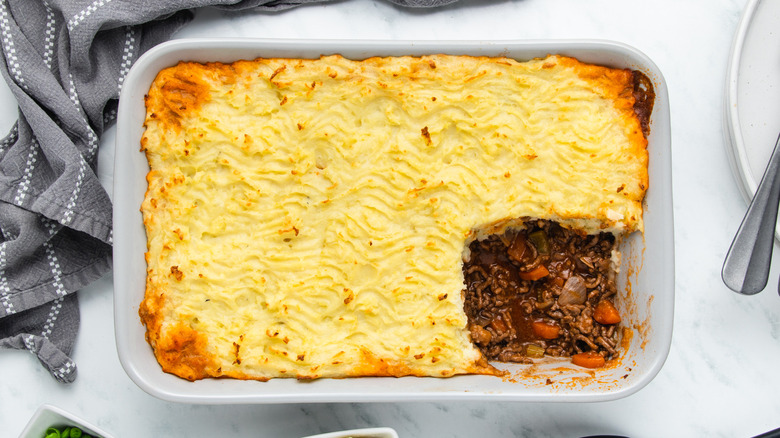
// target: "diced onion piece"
[[574, 291], [507, 238], [533, 350]]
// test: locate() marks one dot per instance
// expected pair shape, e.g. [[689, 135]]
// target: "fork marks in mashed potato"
[[277, 185]]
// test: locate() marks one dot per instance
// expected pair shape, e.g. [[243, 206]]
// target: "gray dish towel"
[[65, 61]]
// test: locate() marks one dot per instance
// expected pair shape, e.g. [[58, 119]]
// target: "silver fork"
[[747, 264]]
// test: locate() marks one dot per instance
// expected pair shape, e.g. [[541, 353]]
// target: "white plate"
[[376, 432], [648, 260], [51, 416], [752, 107]]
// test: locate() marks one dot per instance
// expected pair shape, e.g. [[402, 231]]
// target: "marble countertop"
[[720, 377]]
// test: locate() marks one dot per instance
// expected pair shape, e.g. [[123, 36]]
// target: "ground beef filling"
[[543, 290]]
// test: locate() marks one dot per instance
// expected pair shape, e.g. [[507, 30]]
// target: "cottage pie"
[[311, 218]]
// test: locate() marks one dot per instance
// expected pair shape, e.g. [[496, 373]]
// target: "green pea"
[[68, 432]]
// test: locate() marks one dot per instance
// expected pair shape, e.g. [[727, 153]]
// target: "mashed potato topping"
[[309, 218]]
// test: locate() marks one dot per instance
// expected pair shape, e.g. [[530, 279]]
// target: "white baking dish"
[[646, 281]]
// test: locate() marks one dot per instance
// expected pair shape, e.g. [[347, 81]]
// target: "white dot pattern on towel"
[[92, 138], [10, 139], [89, 10], [32, 158], [5, 291], [48, 52], [127, 55], [8, 46], [61, 373], [109, 116], [54, 263], [74, 96], [54, 312], [68, 215], [29, 343]]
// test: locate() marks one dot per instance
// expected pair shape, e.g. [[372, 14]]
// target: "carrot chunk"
[[535, 273], [606, 313], [545, 330], [588, 359]]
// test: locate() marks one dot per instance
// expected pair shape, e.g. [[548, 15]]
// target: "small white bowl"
[[376, 432], [51, 416]]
